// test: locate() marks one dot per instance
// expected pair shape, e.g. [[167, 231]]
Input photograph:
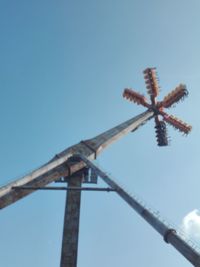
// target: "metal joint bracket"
[[168, 233], [90, 147]]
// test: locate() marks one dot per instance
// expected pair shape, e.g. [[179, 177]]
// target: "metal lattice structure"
[[74, 167]]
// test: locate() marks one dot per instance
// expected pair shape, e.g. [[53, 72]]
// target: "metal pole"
[[71, 222]]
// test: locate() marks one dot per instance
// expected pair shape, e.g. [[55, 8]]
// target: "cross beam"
[[58, 188]]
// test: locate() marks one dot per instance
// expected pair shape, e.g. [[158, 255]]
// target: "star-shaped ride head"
[[178, 94]]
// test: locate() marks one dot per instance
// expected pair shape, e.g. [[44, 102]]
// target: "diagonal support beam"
[[62, 165], [169, 235]]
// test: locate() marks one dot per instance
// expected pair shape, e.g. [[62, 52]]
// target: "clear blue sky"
[[63, 68]]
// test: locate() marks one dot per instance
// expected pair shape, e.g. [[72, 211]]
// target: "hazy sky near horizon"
[[64, 65]]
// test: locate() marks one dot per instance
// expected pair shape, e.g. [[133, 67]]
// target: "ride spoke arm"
[[62, 165]]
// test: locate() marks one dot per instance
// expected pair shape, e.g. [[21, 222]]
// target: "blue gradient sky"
[[63, 68]]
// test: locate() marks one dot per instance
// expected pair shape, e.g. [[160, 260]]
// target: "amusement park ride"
[[74, 166], [170, 100]]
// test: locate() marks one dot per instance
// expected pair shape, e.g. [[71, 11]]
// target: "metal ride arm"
[[62, 166], [169, 235]]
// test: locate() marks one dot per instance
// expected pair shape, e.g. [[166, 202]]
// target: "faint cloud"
[[191, 225]]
